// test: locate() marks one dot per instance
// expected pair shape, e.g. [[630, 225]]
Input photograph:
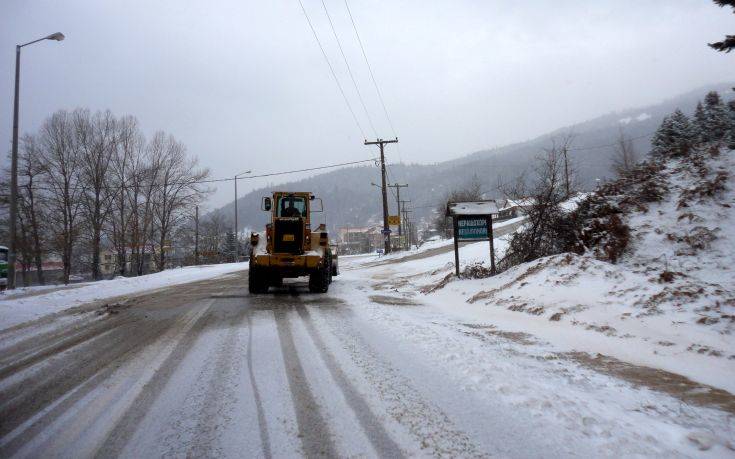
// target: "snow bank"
[[17, 309], [668, 304]]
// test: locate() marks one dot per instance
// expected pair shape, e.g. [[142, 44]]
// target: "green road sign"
[[471, 228]]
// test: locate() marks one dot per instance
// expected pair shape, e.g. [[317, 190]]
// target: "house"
[[512, 208]]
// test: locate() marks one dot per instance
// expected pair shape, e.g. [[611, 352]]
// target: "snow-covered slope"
[[668, 303]]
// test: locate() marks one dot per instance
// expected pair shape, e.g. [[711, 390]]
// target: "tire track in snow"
[[381, 442], [427, 424], [37, 401], [217, 407], [86, 430], [128, 423], [262, 423], [315, 436]]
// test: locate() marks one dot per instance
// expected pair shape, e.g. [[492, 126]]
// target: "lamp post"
[[58, 36], [237, 242]]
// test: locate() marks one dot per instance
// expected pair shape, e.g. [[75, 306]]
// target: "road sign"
[[386, 232], [471, 228], [394, 220], [473, 221]]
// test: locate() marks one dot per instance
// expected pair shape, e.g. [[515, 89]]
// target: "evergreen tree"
[[683, 137], [731, 117], [661, 140], [674, 137], [717, 122], [699, 124], [728, 43]]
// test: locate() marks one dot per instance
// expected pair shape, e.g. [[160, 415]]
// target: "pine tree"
[[674, 137], [728, 43], [699, 123], [683, 136], [717, 122], [663, 137], [731, 132]]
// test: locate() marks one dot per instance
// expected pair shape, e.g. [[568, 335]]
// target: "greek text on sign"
[[471, 228]]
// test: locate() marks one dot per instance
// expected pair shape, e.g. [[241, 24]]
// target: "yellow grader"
[[290, 247]]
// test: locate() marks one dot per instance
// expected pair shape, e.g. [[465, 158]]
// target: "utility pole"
[[404, 217], [196, 235], [398, 187], [386, 227], [237, 239], [566, 171], [408, 226]]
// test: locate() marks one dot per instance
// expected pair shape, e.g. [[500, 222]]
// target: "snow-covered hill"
[[344, 191], [668, 303]]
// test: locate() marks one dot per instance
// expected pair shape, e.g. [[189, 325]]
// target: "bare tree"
[[96, 137], [128, 149], [625, 156], [213, 231], [31, 202], [545, 230], [145, 170], [61, 161], [177, 191]]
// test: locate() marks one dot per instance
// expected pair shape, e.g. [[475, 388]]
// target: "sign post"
[[472, 222]]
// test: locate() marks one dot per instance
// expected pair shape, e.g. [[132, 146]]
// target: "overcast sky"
[[244, 85]]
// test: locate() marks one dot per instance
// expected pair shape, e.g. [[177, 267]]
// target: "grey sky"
[[244, 85]]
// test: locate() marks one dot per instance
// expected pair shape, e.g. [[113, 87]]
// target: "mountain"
[[350, 199]]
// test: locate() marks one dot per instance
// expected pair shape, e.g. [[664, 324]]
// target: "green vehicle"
[[3, 267]]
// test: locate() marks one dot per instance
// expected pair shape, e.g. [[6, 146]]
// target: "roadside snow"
[[23, 308], [625, 311]]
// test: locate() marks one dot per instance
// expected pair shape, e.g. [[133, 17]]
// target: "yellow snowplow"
[[290, 248]]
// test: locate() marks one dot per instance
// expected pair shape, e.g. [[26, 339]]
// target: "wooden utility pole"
[[409, 224], [196, 235], [566, 171], [492, 244], [386, 228], [404, 218], [398, 187]]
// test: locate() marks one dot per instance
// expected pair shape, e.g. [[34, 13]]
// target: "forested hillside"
[[591, 154]]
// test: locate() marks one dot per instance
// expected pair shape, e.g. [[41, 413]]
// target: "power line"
[[349, 70], [207, 181], [331, 69], [370, 69]]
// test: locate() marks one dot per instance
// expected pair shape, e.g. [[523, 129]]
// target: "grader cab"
[[290, 247]]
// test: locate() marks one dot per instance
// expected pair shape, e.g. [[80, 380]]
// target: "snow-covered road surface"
[[205, 369]]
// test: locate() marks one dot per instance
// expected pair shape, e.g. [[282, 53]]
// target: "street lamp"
[[58, 36], [237, 244]]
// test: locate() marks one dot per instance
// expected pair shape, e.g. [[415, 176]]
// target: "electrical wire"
[[370, 69], [218, 180], [349, 69], [331, 69]]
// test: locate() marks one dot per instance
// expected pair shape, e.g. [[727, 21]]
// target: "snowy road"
[[206, 369]]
